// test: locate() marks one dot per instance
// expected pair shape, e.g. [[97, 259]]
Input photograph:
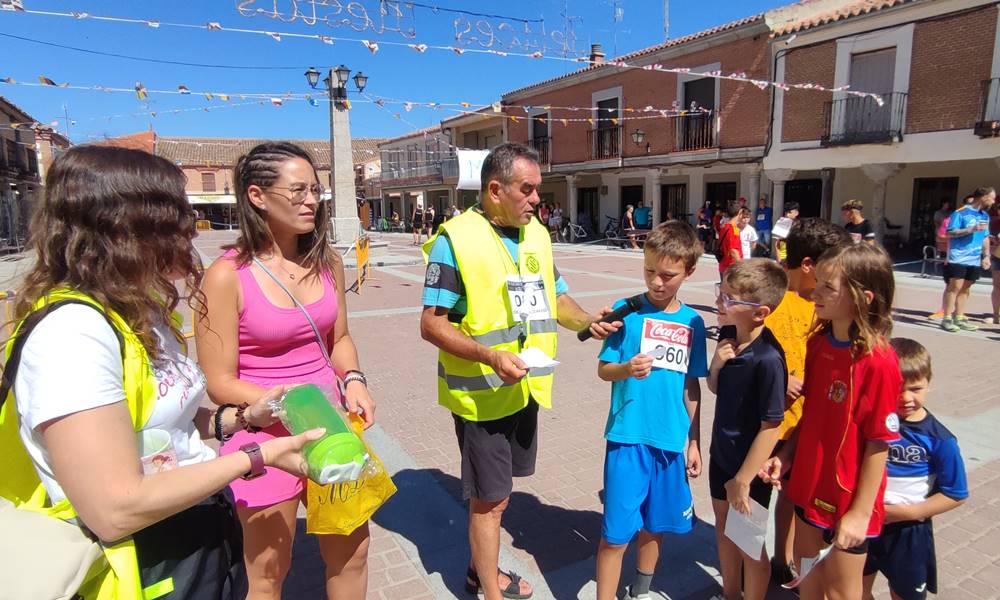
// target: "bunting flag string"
[[374, 47]]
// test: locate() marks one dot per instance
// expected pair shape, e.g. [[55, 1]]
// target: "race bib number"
[[527, 299], [668, 343]]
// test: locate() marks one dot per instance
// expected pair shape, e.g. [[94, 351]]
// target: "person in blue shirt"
[[764, 222], [749, 377], [926, 477], [968, 254], [653, 434]]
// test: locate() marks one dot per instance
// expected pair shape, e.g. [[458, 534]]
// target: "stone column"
[[572, 203], [879, 174], [696, 190], [651, 195], [826, 200], [753, 175], [344, 205], [779, 177]]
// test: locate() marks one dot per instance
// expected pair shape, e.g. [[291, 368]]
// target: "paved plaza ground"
[[551, 531]]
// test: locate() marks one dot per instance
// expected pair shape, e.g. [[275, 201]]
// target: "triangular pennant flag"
[[759, 83], [380, 102], [183, 89], [9, 80], [153, 24], [326, 39], [224, 97], [15, 125], [208, 95], [542, 120], [277, 101], [152, 114], [496, 106], [370, 45], [536, 54], [79, 15], [347, 104], [64, 84], [205, 109], [499, 53], [515, 119], [458, 51], [419, 47], [648, 109], [464, 104], [275, 36], [213, 25], [614, 121], [313, 102], [140, 91], [45, 80], [398, 116], [407, 106], [565, 122], [527, 108], [589, 120]]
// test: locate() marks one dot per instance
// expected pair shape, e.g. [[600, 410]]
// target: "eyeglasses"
[[728, 300], [299, 193]]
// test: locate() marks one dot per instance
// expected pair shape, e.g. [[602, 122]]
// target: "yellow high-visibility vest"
[[472, 390], [118, 579]]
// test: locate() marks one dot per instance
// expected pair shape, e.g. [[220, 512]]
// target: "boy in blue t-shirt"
[[749, 378], [654, 362], [926, 477]]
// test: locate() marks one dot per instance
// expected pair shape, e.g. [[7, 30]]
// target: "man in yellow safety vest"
[[492, 302]]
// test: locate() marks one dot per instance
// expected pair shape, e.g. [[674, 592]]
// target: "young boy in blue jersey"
[[654, 362], [749, 378], [926, 477]]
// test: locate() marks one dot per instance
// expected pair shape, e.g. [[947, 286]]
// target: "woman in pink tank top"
[[255, 337]]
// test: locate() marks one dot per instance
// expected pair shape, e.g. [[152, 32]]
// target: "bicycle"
[[574, 232], [613, 228]]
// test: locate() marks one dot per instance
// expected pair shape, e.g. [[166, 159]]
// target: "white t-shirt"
[[748, 237], [72, 362]]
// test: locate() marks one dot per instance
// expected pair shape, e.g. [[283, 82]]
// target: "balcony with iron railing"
[[863, 120], [696, 132], [541, 146], [605, 142], [429, 172], [988, 124]]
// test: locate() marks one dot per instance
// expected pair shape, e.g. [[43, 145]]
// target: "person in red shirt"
[[852, 381], [731, 248]]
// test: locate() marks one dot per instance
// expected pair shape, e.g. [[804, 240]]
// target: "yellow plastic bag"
[[340, 508]]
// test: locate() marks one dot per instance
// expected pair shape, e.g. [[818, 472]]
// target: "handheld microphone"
[[631, 305]]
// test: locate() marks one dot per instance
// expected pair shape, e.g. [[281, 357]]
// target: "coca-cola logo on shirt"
[[671, 333]]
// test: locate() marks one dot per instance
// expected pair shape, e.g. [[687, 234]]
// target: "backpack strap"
[[27, 326]]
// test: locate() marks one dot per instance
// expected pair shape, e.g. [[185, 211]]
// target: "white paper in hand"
[[782, 227], [748, 532], [806, 565], [534, 358]]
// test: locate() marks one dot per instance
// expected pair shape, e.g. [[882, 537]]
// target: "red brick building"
[[936, 66], [670, 164]]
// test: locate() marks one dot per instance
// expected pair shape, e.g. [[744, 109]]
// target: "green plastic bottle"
[[339, 455]]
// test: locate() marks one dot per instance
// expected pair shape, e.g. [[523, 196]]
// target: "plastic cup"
[[157, 451]]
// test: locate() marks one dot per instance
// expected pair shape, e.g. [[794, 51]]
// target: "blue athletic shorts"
[[644, 488], [904, 553]]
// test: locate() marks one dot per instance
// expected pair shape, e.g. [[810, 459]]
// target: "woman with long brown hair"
[[97, 369], [276, 314]]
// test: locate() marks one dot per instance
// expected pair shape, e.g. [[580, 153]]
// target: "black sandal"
[[513, 589]]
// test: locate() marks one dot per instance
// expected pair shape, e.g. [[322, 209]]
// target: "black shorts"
[[760, 492], [966, 272], [904, 553], [994, 263], [828, 534], [494, 452]]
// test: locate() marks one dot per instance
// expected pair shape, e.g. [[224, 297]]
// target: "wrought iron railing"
[[605, 142], [428, 169], [696, 132], [989, 119], [865, 120], [449, 167], [541, 146]]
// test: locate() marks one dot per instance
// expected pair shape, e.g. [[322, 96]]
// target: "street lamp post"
[[343, 201]]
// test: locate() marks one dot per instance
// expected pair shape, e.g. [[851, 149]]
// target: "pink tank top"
[[277, 345]]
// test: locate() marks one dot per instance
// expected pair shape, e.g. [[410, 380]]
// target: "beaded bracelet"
[[242, 419]]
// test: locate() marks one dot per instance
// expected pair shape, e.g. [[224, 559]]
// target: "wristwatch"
[[256, 460]]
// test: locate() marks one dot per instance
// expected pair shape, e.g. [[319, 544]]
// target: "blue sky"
[[395, 72]]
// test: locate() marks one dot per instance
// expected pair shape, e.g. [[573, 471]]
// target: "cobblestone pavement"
[[551, 530]]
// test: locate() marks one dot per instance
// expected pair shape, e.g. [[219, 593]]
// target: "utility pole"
[[666, 20], [66, 116]]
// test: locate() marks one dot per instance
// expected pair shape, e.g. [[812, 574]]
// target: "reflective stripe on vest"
[[119, 579], [473, 390]]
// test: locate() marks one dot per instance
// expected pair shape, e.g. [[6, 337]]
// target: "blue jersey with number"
[[651, 411], [924, 461]]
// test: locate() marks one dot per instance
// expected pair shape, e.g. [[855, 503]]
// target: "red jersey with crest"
[[848, 403]]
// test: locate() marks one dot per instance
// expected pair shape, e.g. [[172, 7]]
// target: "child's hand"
[[794, 389], [772, 471], [639, 366], [895, 513], [724, 352], [738, 495], [851, 530], [693, 459]]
